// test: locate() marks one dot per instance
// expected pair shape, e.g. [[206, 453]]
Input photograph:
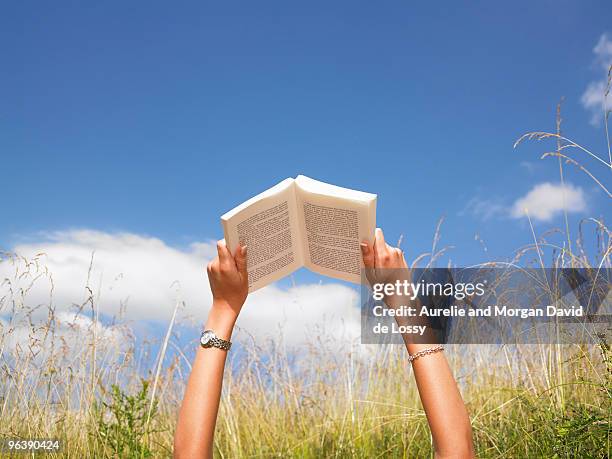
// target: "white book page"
[[268, 225], [333, 222]]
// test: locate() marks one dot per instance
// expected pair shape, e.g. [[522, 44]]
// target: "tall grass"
[[325, 401], [106, 395]]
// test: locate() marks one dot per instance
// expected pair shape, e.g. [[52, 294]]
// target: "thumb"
[[380, 246], [241, 260]]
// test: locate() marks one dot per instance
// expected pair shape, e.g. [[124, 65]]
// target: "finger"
[[213, 266], [240, 257], [379, 241], [381, 253], [225, 257], [367, 253]]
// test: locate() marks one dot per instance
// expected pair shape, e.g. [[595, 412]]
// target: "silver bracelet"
[[431, 350]]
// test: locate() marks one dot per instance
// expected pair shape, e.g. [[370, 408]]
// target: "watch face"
[[206, 337]]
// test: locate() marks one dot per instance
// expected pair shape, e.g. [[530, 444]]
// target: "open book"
[[302, 222]]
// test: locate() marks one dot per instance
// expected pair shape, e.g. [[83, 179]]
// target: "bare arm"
[[446, 413], [198, 414]]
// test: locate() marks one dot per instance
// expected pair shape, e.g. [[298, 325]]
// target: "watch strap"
[[220, 343]]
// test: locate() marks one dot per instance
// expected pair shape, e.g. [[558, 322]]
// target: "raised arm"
[[446, 413], [198, 414]]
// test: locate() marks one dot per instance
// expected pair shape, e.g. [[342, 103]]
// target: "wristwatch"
[[209, 339]]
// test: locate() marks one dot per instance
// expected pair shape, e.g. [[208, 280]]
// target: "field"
[[524, 401], [105, 395]]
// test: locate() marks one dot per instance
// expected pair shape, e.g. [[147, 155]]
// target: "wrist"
[[221, 319], [413, 348]]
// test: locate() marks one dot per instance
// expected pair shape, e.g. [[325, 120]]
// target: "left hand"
[[380, 257]]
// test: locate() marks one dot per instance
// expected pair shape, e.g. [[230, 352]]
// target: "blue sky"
[[156, 118]]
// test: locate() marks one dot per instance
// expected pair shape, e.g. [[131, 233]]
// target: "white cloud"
[[138, 277], [603, 51], [593, 97], [529, 166], [484, 208], [546, 200]]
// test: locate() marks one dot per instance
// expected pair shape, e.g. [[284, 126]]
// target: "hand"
[[228, 279], [386, 264], [379, 257]]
